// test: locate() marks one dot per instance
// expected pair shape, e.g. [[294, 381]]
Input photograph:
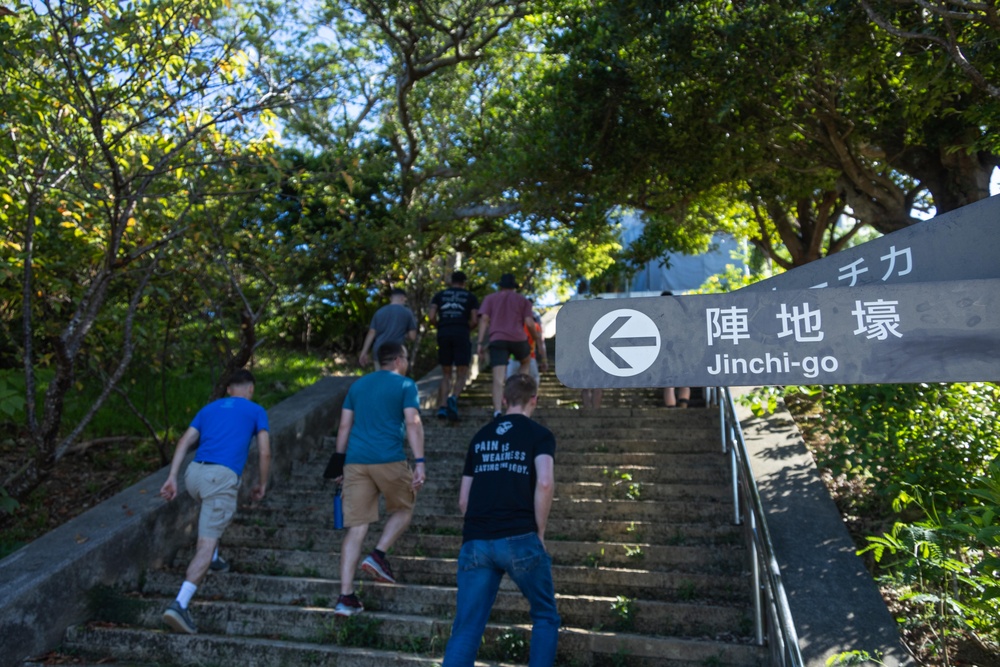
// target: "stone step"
[[572, 579], [315, 507], [728, 566], [698, 444], [411, 640], [591, 468], [559, 529], [218, 595], [570, 434], [580, 648], [614, 487], [138, 644], [720, 558], [580, 434]]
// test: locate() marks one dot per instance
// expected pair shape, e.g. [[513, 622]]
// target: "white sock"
[[187, 592]]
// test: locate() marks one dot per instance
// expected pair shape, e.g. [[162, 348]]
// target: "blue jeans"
[[481, 566]]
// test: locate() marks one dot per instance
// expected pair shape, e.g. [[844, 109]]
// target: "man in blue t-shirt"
[[381, 411], [507, 487], [222, 432], [454, 311]]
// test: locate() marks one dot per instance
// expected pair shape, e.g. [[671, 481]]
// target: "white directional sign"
[[624, 342], [921, 332]]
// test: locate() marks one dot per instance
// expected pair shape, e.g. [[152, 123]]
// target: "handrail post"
[[723, 427], [758, 590], [734, 475], [773, 623]]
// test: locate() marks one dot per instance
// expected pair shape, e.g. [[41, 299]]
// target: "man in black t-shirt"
[[454, 311], [506, 494]]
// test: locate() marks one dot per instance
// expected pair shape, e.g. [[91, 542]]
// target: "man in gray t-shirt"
[[392, 323]]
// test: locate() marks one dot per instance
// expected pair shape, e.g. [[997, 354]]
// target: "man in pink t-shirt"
[[503, 317]]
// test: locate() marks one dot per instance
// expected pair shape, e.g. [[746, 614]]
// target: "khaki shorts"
[[215, 487], [364, 482]]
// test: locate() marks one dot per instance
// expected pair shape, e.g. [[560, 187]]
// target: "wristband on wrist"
[[335, 468], [420, 460]]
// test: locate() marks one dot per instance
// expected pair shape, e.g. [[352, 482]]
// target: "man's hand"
[[258, 491], [169, 489], [363, 359], [419, 476]]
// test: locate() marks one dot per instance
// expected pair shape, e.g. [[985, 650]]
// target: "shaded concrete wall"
[[44, 585], [834, 600]]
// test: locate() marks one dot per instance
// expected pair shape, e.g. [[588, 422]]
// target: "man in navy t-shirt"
[[506, 494], [454, 311], [222, 431]]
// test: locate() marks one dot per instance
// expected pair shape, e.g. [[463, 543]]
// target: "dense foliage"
[[186, 181], [919, 465]]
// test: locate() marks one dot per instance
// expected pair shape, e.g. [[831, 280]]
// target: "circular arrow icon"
[[624, 342]]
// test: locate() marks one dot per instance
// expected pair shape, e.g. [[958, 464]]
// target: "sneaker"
[[218, 565], [453, 408], [348, 605], [442, 413], [379, 568], [179, 619]]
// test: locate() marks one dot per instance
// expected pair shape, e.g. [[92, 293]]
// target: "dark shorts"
[[502, 350], [454, 349]]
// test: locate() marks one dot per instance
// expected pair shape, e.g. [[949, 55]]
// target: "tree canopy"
[[187, 180]]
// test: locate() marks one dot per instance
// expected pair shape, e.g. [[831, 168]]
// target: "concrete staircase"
[[648, 568]]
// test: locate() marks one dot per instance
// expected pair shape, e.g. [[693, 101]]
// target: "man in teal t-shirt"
[[381, 411]]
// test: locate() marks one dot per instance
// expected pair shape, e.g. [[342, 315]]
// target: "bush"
[[893, 437], [924, 458]]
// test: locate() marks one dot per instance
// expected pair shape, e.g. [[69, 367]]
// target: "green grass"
[[170, 400], [167, 400]]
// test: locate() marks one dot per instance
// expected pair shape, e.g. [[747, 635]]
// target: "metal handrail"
[[773, 625]]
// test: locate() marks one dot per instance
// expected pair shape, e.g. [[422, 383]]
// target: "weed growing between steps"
[[366, 631], [508, 646], [622, 485], [354, 631], [624, 609], [633, 553], [593, 559]]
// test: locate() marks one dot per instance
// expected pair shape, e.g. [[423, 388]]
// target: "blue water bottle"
[[338, 510]]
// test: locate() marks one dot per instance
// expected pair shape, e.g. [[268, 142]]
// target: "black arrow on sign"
[[606, 342]]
